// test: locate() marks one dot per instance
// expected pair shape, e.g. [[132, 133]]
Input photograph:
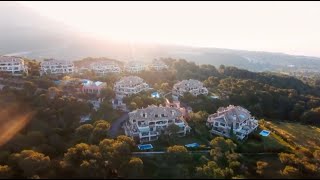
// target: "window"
[[222, 124], [162, 115], [216, 124], [156, 115]]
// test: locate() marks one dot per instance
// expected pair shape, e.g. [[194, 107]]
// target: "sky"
[[289, 27]]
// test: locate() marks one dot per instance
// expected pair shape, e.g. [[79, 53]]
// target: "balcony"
[[143, 128], [148, 134], [178, 122], [221, 133]]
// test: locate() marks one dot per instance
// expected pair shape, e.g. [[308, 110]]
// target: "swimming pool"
[[264, 133], [193, 145], [145, 146]]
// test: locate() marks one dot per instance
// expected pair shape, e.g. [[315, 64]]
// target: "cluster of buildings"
[[157, 65], [17, 66], [126, 87], [195, 87], [129, 85], [234, 118], [103, 68], [13, 65], [146, 124], [138, 66], [53, 66]]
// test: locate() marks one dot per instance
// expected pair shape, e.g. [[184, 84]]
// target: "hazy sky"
[[290, 27]]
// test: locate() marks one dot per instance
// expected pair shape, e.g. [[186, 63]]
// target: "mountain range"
[[26, 33]]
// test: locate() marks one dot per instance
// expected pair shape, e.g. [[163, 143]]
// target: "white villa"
[[13, 65], [195, 87], [235, 117], [52, 66], [102, 68], [148, 123], [157, 65], [135, 66], [91, 87], [129, 85]]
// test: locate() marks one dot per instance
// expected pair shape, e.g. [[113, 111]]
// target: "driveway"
[[116, 125]]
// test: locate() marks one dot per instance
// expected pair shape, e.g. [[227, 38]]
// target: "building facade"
[[232, 117], [135, 67], [102, 68], [91, 87], [52, 66], [195, 87], [129, 85], [157, 65], [13, 65], [147, 124]]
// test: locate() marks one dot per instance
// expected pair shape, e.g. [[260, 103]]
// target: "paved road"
[[194, 152], [163, 152], [116, 125]]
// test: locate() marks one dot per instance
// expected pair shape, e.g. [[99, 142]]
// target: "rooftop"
[[10, 58], [189, 83], [231, 113], [56, 62], [130, 80], [154, 112]]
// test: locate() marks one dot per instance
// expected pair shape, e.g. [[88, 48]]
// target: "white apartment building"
[[13, 65], [135, 66], [148, 123], [102, 68], [52, 66], [129, 85], [232, 117], [157, 65], [195, 87]]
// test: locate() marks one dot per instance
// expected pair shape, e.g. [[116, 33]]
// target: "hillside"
[[26, 33]]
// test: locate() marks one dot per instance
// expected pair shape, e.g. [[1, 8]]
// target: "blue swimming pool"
[[193, 145], [155, 95], [264, 133], [145, 146]]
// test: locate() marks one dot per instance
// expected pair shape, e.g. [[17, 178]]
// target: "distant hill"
[[26, 33]]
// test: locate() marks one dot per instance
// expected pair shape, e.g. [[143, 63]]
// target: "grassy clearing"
[[259, 144], [296, 134], [302, 135]]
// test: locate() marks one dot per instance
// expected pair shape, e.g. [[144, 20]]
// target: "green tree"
[[30, 162], [290, 171], [30, 88], [107, 93], [261, 165], [100, 131], [84, 160], [83, 132], [135, 168], [5, 172], [172, 132]]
